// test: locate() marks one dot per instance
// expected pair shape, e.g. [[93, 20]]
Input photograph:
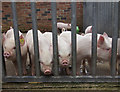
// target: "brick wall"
[[43, 15]]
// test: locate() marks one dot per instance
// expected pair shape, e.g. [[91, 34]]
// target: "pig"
[[66, 36], [88, 29], [61, 25], [9, 49], [84, 49], [64, 50], [118, 55], [45, 52]]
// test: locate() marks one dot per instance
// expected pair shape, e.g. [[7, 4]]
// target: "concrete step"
[[61, 87]]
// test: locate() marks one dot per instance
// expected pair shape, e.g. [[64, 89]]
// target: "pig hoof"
[[16, 74], [77, 74], [33, 74], [25, 73]]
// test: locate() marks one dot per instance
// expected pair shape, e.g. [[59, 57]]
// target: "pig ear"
[[105, 34], [101, 40], [4, 37], [22, 40], [91, 29], [11, 27], [69, 24]]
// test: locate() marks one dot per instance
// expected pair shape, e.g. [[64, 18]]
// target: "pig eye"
[[41, 62], [14, 47], [59, 56], [52, 62], [68, 55], [108, 49]]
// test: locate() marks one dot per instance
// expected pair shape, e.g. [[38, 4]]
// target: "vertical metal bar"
[[114, 38], [3, 63], [35, 38], [54, 35], [94, 40], [119, 18], [73, 37], [17, 42]]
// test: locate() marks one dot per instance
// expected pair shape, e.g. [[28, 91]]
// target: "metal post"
[[3, 63], [35, 38], [17, 42], [114, 38], [94, 40], [73, 38], [54, 35]]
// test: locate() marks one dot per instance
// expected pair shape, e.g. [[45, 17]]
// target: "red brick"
[[44, 22]]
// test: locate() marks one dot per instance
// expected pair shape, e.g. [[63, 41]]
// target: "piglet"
[[63, 26], [45, 52], [84, 48], [88, 29], [9, 49]]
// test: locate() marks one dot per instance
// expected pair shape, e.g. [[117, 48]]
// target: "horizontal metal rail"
[[62, 79]]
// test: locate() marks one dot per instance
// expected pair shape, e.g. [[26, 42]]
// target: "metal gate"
[[73, 78]]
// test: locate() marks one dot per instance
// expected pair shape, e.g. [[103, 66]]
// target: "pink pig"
[[84, 48], [9, 49], [45, 52], [63, 26]]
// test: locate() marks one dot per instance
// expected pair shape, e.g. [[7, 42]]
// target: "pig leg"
[[84, 67], [33, 65], [90, 65], [16, 68], [117, 65], [24, 64], [68, 71], [78, 66]]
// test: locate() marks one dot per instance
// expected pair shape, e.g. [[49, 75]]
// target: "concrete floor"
[[102, 68]]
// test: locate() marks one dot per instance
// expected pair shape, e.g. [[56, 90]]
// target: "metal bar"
[[35, 38], [73, 37], [94, 40], [119, 18], [54, 36], [17, 42], [114, 38], [3, 63], [62, 79]]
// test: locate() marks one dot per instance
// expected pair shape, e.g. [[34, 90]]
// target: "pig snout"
[[6, 54], [47, 72], [64, 62]]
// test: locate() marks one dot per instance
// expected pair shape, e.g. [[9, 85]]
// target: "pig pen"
[[104, 73]]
